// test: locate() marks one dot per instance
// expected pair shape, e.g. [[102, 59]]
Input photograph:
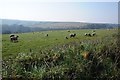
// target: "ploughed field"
[[53, 55]]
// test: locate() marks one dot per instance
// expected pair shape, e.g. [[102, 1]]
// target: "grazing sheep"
[[93, 34], [46, 35], [87, 34], [72, 35], [14, 38]]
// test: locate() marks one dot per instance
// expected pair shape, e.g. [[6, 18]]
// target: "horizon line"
[[58, 21]]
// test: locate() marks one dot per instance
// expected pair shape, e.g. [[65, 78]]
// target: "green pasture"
[[38, 40]]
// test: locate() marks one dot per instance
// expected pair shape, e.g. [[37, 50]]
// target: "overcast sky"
[[100, 12]]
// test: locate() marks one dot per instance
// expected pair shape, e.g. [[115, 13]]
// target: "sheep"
[[72, 35], [93, 34], [14, 38], [46, 35], [87, 34]]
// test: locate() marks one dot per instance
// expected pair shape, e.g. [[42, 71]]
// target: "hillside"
[[73, 25], [18, 26]]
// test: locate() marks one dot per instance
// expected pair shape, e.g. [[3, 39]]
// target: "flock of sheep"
[[14, 38], [72, 35], [92, 34]]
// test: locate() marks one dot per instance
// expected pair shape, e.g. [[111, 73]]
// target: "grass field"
[[40, 57], [38, 41]]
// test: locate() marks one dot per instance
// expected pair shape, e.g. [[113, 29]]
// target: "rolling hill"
[[18, 26]]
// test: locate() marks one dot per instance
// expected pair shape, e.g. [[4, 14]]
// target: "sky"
[[73, 10]]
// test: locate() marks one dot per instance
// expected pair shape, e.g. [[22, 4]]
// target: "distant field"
[[37, 41], [40, 57]]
